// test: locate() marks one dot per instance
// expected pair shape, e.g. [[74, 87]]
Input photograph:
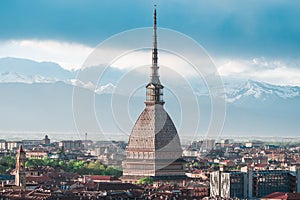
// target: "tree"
[[7, 163], [145, 180], [75, 166]]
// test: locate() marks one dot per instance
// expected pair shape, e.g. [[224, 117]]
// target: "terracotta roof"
[[118, 186], [38, 179], [276, 195], [282, 195], [261, 165], [100, 177], [197, 171]]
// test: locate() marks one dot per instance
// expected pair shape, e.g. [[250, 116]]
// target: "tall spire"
[[154, 93], [154, 67]]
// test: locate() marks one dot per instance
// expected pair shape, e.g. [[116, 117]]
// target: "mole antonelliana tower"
[[154, 148]]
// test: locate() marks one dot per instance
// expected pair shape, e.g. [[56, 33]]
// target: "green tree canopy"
[[145, 180]]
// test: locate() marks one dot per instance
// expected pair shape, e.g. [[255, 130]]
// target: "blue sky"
[[232, 31], [256, 27]]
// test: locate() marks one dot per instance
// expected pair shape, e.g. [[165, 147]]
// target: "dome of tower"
[[154, 130]]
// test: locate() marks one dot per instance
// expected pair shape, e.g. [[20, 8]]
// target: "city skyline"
[[149, 100]]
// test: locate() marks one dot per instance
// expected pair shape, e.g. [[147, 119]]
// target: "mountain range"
[[37, 97]]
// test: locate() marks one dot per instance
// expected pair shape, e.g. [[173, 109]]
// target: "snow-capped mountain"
[[108, 89], [38, 96], [17, 70], [13, 77], [262, 91], [29, 71]]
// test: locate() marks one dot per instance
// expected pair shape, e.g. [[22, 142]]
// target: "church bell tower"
[[20, 177]]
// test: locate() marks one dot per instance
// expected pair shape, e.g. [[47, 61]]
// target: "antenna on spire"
[[154, 71], [155, 15]]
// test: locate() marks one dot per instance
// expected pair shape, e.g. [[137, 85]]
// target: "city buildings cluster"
[[244, 170], [214, 170]]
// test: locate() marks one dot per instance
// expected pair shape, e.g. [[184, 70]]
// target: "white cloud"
[[73, 55], [279, 72], [143, 58], [68, 55], [233, 67]]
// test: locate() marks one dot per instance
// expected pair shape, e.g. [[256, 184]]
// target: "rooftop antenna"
[[85, 140]]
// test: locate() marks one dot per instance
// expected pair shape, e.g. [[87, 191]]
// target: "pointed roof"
[[21, 149], [154, 130]]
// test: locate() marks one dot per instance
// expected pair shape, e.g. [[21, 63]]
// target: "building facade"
[[46, 140], [228, 185], [250, 183], [3, 145], [268, 181], [37, 154], [71, 144], [13, 145]]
